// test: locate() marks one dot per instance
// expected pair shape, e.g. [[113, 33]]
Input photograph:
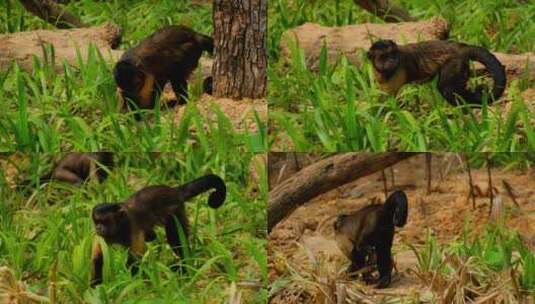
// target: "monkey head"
[[385, 57], [134, 84], [111, 222]]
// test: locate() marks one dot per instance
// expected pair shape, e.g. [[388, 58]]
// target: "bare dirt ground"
[[302, 246]]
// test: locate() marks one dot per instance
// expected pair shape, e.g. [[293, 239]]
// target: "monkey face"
[[384, 55], [133, 84], [108, 220]]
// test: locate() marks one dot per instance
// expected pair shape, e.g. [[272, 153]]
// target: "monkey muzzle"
[[101, 230]]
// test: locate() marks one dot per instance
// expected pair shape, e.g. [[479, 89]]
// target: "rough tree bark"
[[52, 13], [385, 10], [323, 176], [240, 28]]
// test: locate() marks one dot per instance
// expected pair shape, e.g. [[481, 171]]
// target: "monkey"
[[396, 65], [169, 54], [372, 227], [131, 223], [75, 168]]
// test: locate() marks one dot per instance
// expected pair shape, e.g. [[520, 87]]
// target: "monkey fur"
[[396, 65], [131, 223], [169, 54], [371, 229], [75, 168]]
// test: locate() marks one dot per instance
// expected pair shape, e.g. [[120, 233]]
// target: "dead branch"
[[510, 192], [470, 182], [385, 10], [323, 176], [491, 192], [52, 13], [428, 158], [384, 184]]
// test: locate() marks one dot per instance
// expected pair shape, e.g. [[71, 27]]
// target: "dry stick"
[[490, 183], [428, 157], [510, 191], [392, 178], [384, 10], [471, 194], [52, 13], [384, 184]]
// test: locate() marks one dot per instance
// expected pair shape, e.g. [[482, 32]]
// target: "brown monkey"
[[132, 222], [372, 229], [396, 65], [75, 168], [169, 54]]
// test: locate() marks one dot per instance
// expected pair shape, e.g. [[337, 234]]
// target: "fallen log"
[[22, 46], [349, 40], [323, 176]]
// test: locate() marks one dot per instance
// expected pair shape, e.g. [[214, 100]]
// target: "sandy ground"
[[303, 243]]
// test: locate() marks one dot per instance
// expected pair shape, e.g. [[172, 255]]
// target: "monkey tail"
[[206, 42], [396, 205], [203, 184], [493, 66]]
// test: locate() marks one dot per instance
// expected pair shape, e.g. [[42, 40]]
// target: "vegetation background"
[[76, 110], [339, 108], [46, 233]]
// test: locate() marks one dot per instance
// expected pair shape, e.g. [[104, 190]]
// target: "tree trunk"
[[52, 13], [324, 176], [240, 28]]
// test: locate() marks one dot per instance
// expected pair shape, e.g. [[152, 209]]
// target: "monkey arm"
[[97, 264], [136, 250]]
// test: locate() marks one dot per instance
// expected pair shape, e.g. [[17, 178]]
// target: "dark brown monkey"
[[396, 65], [132, 222], [75, 168], [372, 228], [169, 54]]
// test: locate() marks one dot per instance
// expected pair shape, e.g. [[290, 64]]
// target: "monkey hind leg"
[[384, 265], [452, 83], [178, 244]]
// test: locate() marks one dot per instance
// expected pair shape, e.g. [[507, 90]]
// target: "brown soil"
[[302, 245]]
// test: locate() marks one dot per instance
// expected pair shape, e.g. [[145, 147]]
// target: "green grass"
[[50, 228], [339, 108], [76, 109], [490, 257]]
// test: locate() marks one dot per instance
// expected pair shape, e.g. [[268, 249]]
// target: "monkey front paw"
[[384, 282]]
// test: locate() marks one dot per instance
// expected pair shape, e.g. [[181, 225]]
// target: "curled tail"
[[206, 42], [396, 204], [493, 66], [203, 184]]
